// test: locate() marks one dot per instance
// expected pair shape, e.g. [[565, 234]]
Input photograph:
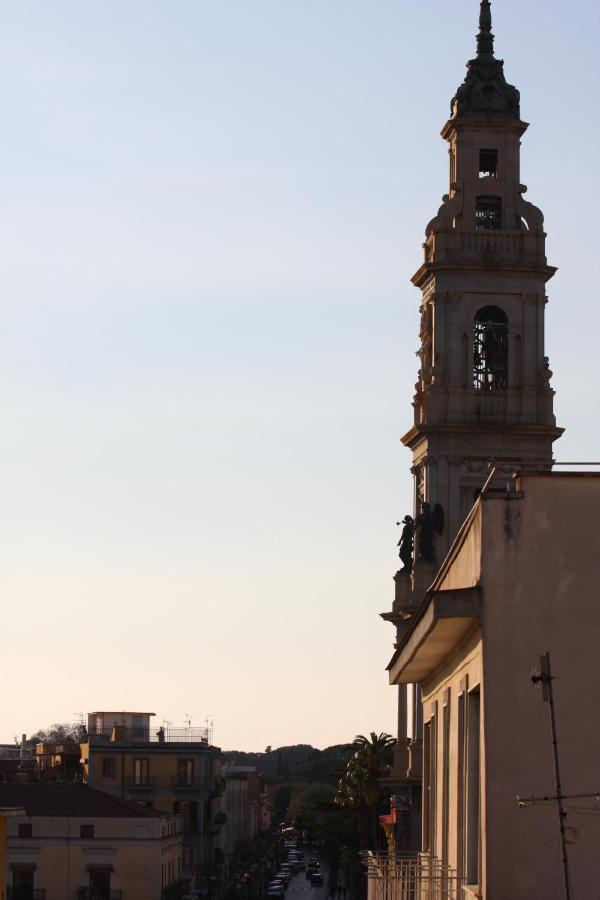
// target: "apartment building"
[[173, 770], [70, 842]]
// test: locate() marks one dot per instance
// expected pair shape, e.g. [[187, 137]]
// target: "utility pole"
[[544, 677]]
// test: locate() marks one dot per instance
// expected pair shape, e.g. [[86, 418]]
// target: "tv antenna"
[[209, 723], [544, 678]]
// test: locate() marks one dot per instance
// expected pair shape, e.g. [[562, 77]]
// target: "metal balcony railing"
[[421, 877], [139, 734], [182, 783], [87, 893], [23, 893], [140, 784]]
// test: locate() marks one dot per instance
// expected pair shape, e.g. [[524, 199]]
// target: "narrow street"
[[300, 887]]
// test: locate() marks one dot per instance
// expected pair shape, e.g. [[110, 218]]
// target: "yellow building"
[[174, 770], [70, 841]]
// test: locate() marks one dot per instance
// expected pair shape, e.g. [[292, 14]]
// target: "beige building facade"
[[70, 842], [520, 580]]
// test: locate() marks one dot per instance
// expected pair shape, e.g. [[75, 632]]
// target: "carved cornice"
[[429, 269]]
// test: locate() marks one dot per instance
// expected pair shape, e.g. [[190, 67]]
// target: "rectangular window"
[[433, 768], [86, 832], [25, 830], [138, 732], [99, 883], [488, 163], [109, 767], [185, 772], [445, 776], [472, 777], [22, 881], [460, 783], [141, 772]]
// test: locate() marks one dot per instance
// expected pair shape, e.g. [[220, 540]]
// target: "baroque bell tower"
[[483, 398], [483, 392]]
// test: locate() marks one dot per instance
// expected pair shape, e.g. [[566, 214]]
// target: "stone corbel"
[[532, 215], [450, 208]]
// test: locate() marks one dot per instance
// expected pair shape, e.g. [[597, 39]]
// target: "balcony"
[[486, 245], [136, 784], [187, 784], [87, 893], [23, 893], [421, 877]]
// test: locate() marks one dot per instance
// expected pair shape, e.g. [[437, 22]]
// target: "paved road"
[[300, 887]]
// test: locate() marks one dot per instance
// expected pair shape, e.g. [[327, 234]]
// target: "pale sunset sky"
[[210, 213]]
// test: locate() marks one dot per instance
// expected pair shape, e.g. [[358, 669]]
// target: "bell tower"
[[483, 397], [483, 391]]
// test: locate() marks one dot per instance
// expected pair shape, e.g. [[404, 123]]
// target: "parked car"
[[316, 879], [275, 891]]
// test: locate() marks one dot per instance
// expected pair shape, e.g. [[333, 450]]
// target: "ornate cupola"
[[483, 391]]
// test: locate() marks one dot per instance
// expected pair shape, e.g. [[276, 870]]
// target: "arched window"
[[490, 350], [488, 213]]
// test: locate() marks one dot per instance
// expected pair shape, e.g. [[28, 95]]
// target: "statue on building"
[[406, 544], [425, 531]]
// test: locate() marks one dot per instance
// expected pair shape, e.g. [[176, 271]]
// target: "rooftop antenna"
[[210, 727], [544, 678]]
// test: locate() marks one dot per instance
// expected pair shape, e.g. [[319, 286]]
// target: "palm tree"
[[360, 785]]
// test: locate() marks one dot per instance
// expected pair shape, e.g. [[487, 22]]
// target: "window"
[[460, 780], [445, 775], [433, 765], [141, 772], [471, 768], [22, 881], [490, 350], [488, 163], [185, 772], [99, 883], [25, 830], [109, 767], [86, 832], [488, 213], [138, 732]]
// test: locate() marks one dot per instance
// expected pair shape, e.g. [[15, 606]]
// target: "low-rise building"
[[70, 842]]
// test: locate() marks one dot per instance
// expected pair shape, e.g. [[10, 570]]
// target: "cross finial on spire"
[[485, 38]]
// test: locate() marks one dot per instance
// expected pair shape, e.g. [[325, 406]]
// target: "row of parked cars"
[[295, 862]]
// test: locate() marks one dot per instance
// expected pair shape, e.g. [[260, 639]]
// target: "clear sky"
[[209, 214]]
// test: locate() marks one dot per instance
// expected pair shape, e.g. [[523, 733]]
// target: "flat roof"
[[119, 712]]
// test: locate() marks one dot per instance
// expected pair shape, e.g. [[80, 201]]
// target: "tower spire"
[[485, 38]]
